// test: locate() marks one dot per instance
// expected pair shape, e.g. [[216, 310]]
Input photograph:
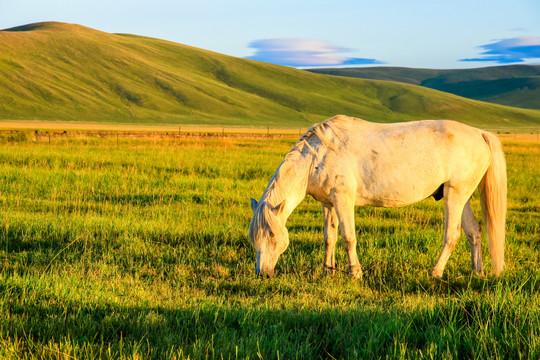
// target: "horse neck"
[[289, 183]]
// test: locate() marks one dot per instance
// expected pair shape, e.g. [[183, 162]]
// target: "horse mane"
[[332, 134]]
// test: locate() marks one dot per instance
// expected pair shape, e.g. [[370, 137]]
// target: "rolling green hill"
[[512, 85], [65, 72]]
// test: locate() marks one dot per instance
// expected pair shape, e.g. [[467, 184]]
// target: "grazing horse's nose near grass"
[[262, 271], [264, 274]]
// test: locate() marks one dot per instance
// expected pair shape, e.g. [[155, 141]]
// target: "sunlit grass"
[[138, 249]]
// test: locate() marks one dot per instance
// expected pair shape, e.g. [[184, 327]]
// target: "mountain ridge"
[[510, 85], [68, 72]]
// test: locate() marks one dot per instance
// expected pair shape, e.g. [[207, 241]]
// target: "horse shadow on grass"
[[212, 330]]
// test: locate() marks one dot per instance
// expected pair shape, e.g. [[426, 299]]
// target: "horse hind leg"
[[345, 213], [472, 231], [454, 202], [330, 239]]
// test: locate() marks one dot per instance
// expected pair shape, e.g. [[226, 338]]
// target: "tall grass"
[[138, 249]]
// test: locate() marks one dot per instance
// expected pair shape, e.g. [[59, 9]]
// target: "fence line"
[[44, 135], [531, 134]]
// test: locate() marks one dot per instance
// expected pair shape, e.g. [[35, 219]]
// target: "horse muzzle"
[[264, 273], [264, 266]]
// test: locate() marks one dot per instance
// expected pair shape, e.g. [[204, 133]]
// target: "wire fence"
[[14, 135], [517, 134], [51, 135]]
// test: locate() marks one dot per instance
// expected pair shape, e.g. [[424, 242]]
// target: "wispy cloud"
[[513, 50], [303, 52]]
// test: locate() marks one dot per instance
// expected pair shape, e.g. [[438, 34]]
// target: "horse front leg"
[[330, 239], [345, 213]]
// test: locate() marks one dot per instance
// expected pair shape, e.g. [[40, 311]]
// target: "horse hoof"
[[436, 275], [328, 273], [356, 272], [479, 273]]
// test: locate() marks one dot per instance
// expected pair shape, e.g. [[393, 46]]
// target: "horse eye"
[[271, 234]]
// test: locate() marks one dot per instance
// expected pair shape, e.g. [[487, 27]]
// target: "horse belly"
[[398, 182]]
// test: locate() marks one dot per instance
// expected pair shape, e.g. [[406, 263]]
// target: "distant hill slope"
[[57, 71], [512, 85]]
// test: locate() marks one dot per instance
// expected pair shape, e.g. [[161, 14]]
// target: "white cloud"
[[512, 50], [303, 52]]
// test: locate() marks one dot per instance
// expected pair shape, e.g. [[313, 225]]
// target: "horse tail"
[[493, 188]]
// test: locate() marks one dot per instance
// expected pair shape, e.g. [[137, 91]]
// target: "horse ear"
[[254, 204], [279, 209]]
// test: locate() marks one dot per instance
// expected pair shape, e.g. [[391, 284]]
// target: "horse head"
[[268, 235]]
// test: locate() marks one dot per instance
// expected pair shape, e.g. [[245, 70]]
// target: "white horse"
[[345, 161]]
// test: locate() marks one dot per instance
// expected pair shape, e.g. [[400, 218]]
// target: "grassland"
[[71, 73], [138, 248]]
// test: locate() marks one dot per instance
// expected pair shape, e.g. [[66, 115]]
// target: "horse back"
[[399, 164]]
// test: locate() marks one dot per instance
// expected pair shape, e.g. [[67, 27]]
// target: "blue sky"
[[415, 33]]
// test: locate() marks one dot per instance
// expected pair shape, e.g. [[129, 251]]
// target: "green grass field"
[[137, 248]]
